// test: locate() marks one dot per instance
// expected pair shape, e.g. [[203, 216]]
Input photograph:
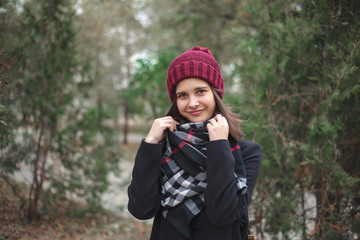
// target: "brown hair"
[[231, 117]]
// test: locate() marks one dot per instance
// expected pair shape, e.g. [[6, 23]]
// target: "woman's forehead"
[[191, 84]]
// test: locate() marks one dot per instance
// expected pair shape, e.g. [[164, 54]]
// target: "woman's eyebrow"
[[201, 87], [197, 88]]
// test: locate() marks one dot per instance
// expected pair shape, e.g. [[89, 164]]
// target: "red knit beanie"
[[196, 62]]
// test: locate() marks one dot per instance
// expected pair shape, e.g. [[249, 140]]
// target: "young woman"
[[193, 172]]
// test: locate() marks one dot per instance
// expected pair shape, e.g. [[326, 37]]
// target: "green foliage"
[[62, 136], [204, 23], [148, 88], [282, 221], [300, 78], [8, 163]]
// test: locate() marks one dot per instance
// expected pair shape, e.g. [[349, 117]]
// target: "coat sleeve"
[[144, 189], [223, 201]]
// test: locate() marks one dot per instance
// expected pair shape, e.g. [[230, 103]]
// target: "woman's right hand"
[[159, 127]]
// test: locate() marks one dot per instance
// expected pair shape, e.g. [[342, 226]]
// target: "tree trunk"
[[321, 202], [128, 79], [126, 121], [35, 185]]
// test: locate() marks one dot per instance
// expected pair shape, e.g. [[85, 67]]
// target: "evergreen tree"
[[300, 73], [147, 93], [7, 164], [110, 35], [60, 135]]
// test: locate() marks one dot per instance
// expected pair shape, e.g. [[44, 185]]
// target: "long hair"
[[220, 108]]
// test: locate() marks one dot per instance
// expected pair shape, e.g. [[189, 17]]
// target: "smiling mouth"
[[198, 112]]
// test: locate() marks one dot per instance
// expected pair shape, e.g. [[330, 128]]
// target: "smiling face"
[[195, 100]]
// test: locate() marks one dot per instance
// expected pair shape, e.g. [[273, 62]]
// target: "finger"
[[222, 120], [174, 125], [175, 122], [170, 120], [225, 121], [217, 117], [213, 121], [170, 126], [167, 119]]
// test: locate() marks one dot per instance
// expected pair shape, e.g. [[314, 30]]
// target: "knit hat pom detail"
[[205, 50], [197, 62]]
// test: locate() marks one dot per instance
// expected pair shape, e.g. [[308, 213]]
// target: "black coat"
[[224, 207]]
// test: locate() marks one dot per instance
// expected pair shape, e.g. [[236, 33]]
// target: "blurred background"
[[82, 80]]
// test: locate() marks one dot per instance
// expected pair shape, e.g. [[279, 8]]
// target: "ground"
[[103, 225]]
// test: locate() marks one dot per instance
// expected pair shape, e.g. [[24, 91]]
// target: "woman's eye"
[[201, 91], [181, 95]]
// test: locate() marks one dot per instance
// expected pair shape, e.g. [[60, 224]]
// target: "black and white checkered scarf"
[[184, 174]]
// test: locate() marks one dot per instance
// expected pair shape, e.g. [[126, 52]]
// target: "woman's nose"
[[193, 102]]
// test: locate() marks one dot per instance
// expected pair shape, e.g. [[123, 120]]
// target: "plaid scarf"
[[184, 174]]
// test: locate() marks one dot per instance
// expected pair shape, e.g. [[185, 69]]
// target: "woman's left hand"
[[218, 128]]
